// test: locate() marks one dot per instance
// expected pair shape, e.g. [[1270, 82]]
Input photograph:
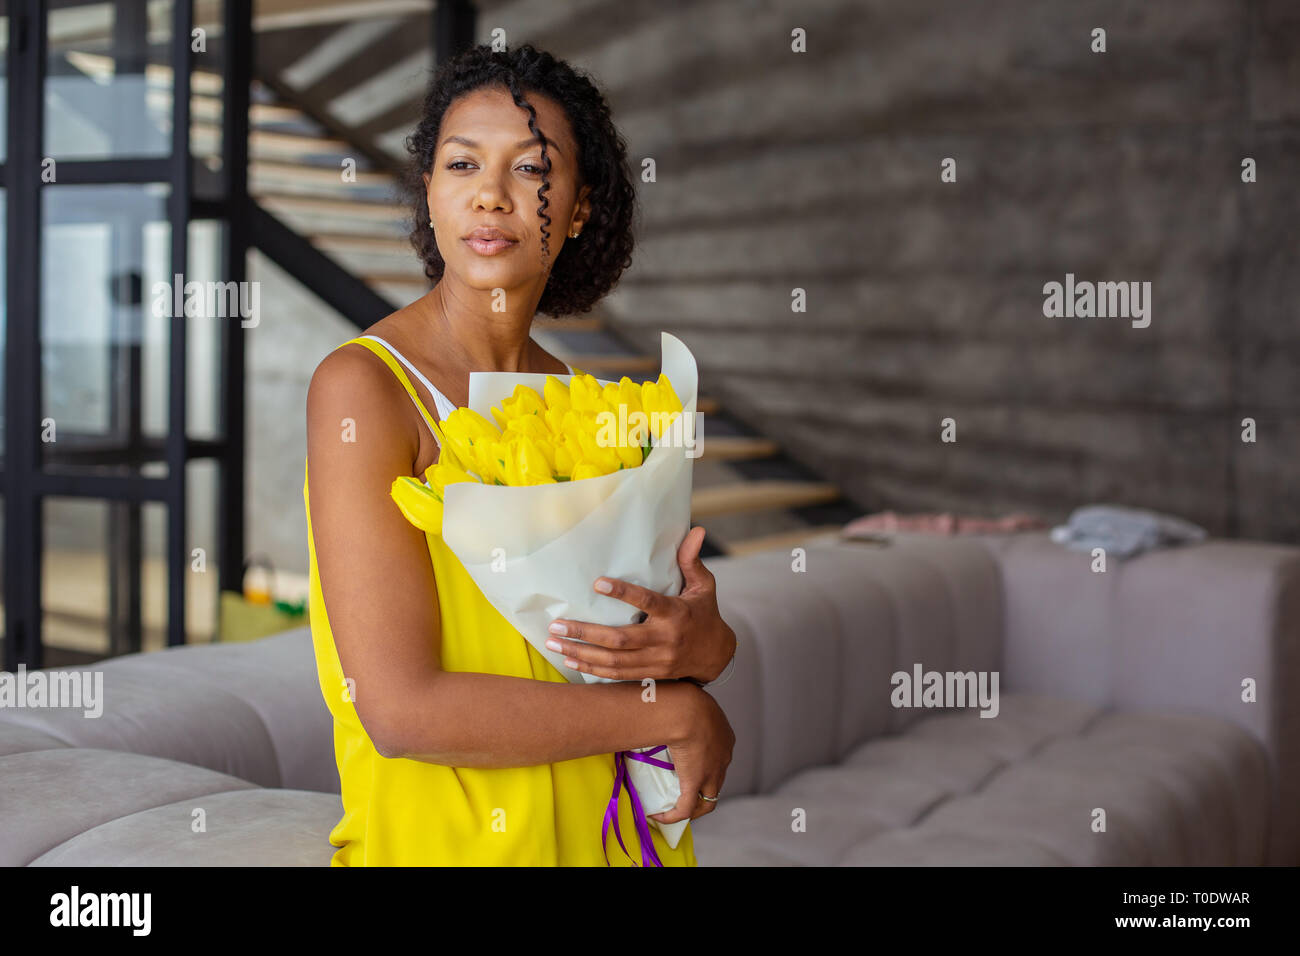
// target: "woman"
[[456, 741]]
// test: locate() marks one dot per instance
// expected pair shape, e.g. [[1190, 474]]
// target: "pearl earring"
[[430, 222]]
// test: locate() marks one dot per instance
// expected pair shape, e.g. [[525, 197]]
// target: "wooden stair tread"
[[759, 496], [299, 173], [358, 208], [357, 242], [264, 139], [731, 447]]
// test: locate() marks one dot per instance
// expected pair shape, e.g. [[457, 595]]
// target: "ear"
[[582, 208]]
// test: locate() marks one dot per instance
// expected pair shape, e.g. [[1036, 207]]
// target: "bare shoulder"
[[353, 384]]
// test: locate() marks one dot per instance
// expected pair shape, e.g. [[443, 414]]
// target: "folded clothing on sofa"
[[888, 522], [1124, 532]]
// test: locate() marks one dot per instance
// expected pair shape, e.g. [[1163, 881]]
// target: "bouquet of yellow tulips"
[[544, 485], [570, 432]]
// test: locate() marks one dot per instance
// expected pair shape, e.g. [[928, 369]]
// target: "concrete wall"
[[821, 171], [296, 331]]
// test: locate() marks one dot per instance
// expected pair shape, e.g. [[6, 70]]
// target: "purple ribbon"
[[622, 778]]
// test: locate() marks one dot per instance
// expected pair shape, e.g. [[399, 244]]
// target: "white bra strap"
[[445, 407]]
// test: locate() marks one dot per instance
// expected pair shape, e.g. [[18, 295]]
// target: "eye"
[[459, 163], [531, 168]]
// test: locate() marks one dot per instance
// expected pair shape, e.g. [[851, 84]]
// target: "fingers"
[[691, 805], [619, 653], [624, 638], [690, 781], [710, 788], [684, 809], [694, 573], [631, 665], [652, 602]]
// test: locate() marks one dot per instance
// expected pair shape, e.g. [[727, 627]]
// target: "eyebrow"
[[519, 145]]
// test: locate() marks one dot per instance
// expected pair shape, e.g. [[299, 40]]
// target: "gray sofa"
[[1120, 698]]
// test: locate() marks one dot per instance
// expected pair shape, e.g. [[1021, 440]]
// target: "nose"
[[491, 195]]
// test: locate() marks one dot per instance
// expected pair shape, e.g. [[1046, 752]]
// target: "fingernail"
[[603, 586], [571, 663], [557, 627], [553, 645]]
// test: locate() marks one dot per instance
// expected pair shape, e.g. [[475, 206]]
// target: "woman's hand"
[[700, 754], [680, 637]]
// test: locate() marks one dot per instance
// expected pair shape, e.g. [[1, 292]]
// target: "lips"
[[489, 240]]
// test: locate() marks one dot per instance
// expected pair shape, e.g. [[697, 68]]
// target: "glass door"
[[116, 450]]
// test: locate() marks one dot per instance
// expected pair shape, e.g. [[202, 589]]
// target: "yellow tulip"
[[556, 394], [526, 464], [585, 469], [454, 452], [661, 404], [547, 447], [458, 444], [601, 456], [585, 394], [442, 474], [628, 451], [554, 417], [524, 401], [629, 394], [460, 431], [564, 461], [534, 426], [494, 457], [568, 441], [419, 504]]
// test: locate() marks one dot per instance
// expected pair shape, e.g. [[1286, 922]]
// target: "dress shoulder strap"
[[384, 353], [392, 358]]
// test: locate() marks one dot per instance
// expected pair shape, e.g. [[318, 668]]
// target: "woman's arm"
[[379, 591], [494, 721]]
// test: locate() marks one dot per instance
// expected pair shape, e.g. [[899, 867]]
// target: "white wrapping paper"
[[536, 551]]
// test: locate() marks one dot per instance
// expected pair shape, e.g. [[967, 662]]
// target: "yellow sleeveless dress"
[[401, 812]]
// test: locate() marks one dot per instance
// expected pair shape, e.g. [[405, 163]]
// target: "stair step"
[[783, 540], [355, 242], [733, 447], [263, 141], [759, 496], [353, 208], [274, 143], [207, 110], [299, 173], [266, 113]]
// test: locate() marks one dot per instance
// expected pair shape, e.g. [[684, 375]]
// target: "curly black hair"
[[587, 268]]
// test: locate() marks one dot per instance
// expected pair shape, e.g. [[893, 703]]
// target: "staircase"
[[747, 492]]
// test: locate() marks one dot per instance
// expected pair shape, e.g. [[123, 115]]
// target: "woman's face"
[[485, 175]]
